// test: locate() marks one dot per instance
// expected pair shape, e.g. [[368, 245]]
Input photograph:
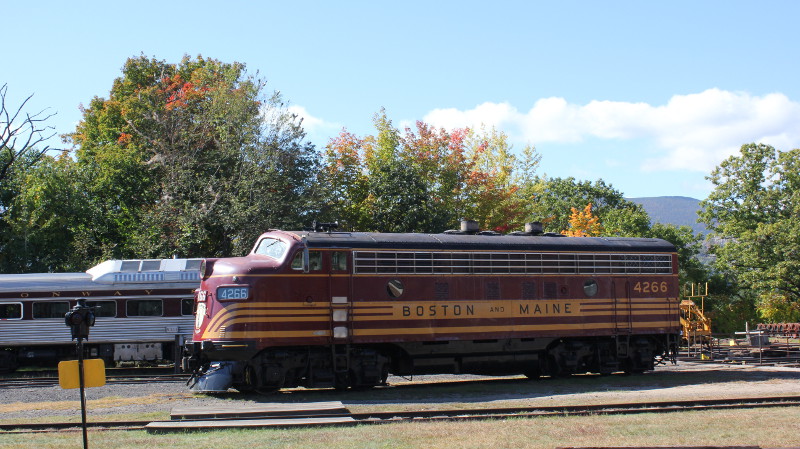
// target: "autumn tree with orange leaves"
[[582, 223]]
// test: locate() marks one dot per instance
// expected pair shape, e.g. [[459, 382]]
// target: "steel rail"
[[454, 414], [121, 379]]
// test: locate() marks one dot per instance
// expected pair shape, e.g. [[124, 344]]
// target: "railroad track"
[[31, 382], [311, 419]]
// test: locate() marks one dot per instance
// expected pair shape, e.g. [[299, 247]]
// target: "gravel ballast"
[[686, 381]]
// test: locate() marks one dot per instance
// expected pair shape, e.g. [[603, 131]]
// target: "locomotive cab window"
[[339, 261], [11, 311], [103, 309], [145, 307], [315, 260], [273, 248], [54, 309]]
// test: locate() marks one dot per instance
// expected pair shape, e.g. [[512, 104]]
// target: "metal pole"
[[83, 393], [176, 354]]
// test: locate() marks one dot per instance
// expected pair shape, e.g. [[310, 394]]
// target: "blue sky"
[[648, 96]]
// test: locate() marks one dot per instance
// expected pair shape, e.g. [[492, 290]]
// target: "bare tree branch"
[[21, 133]]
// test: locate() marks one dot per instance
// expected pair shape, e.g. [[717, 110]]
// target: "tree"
[[192, 159], [688, 245], [492, 185], [582, 223], [21, 134], [22, 138], [215, 161], [45, 218], [402, 185], [754, 211], [422, 180], [552, 200]]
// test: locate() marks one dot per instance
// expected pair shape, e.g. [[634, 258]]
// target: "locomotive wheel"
[[534, 372], [342, 381], [249, 381], [554, 369], [357, 383]]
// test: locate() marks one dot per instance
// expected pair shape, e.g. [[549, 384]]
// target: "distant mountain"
[[676, 210]]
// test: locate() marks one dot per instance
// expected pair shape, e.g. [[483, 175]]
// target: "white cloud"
[[315, 125], [692, 132]]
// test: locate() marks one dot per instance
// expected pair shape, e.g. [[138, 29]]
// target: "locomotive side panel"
[[422, 318], [485, 305]]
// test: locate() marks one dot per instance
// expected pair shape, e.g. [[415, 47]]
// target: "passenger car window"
[[54, 309], [145, 307], [187, 306], [103, 309], [11, 311]]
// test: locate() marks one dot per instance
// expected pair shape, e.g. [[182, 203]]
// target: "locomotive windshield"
[[273, 248]]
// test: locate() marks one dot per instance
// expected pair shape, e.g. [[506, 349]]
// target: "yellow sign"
[[94, 374]]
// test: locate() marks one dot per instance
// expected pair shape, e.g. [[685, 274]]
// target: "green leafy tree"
[[553, 200], [214, 161], [22, 145], [343, 180], [192, 159], [492, 188], [43, 218], [689, 246], [404, 185], [754, 212], [422, 180]]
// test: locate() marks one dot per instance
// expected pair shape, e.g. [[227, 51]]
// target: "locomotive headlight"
[[200, 315]]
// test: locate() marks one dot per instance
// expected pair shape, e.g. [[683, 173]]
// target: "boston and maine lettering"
[[546, 308], [439, 310], [481, 309]]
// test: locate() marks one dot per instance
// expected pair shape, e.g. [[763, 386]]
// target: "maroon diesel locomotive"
[[345, 309]]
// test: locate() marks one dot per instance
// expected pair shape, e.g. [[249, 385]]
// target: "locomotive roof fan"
[[468, 227]]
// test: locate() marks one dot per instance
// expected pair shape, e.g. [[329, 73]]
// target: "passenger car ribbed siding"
[[106, 330]]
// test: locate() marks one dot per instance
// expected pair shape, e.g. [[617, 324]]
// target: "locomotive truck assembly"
[[321, 308]]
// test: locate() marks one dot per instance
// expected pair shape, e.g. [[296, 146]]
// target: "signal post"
[[89, 374]]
